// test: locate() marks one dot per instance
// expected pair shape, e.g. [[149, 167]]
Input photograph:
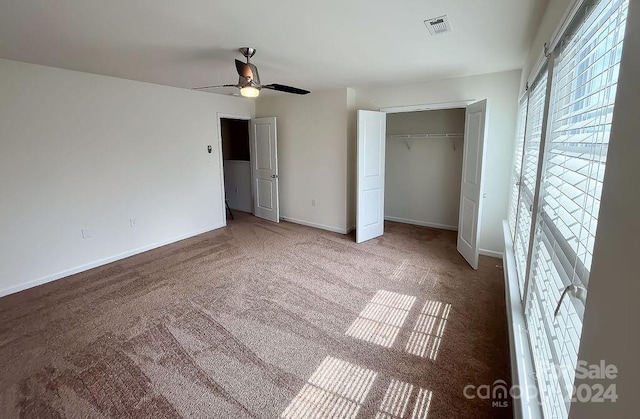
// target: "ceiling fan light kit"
[[249, 79], [249, 91]]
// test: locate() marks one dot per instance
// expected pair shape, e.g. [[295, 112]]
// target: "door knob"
[[274, 176]]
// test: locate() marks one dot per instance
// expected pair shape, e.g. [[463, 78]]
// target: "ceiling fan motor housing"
[[248, 52]]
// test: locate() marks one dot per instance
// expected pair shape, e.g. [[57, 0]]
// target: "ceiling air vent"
[[438, 25]]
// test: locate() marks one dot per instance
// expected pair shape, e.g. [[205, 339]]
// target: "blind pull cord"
[[575, 289]]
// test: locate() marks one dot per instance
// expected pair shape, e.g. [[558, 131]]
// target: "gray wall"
[[81, 151]]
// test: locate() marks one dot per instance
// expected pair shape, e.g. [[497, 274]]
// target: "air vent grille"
[[438, 25]]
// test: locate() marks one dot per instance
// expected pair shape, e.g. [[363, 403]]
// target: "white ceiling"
[[313, 45]]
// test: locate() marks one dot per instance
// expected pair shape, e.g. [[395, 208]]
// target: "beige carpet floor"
[[262, 320]]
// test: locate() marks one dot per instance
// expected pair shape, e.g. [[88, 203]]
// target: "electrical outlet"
[[133, 222], [313, 202], [86, 233]]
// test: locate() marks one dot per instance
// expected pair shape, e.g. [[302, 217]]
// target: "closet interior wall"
[[422, 181]]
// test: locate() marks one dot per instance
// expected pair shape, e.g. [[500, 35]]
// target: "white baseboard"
[[350, 229], [421, 223], [314, 225], [491, 253], [94, 264]]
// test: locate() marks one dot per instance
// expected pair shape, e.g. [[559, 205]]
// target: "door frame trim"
[[429, 106], [219, 117]]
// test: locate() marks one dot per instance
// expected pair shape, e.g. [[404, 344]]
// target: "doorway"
[[236, 163], [249, 166]]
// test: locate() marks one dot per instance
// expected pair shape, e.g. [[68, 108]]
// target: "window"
[[584, 74]]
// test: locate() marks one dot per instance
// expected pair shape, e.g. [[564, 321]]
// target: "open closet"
[[423, 167], [416, 168]]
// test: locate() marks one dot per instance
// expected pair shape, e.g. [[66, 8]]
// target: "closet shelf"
[[409, 138]]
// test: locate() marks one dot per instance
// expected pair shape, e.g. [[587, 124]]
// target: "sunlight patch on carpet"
[[336, 389], [397, 399], [427, 333], [382, 318]]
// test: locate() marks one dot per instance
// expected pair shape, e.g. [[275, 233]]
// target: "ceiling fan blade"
[[244, 70], [287, 89], [211, 87]]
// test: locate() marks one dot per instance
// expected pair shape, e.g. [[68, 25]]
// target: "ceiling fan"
[[249, 80]]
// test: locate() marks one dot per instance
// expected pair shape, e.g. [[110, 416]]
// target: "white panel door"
[[264, 168], [471, 190], [372, 128]]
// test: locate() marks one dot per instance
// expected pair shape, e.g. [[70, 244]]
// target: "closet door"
[[471, 189], [372, 127]]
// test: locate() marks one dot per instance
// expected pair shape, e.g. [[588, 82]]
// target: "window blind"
[[517, 164], [581, 108], [529, 175]]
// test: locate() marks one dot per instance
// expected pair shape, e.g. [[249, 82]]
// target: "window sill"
[[522, 373]]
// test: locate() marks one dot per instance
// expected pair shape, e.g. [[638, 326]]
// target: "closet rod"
[[420, 136], [408, 138]]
